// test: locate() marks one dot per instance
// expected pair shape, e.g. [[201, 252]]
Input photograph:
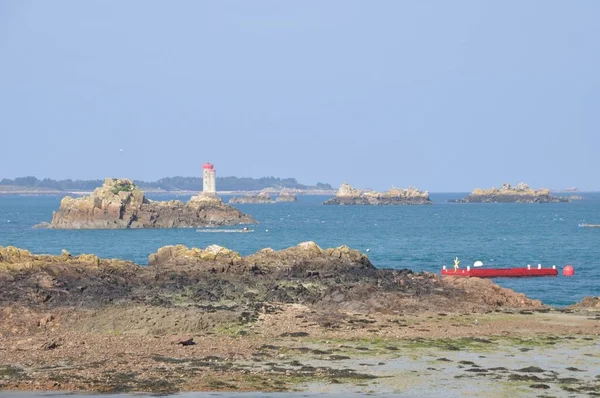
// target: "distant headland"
[[119, 203], [522, 193], [348, 195], [33, 185]]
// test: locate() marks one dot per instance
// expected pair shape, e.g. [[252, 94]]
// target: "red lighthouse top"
[[208, 166]]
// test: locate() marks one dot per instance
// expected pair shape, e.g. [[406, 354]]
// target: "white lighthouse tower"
[[208, 179]]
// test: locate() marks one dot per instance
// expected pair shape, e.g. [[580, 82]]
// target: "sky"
[[441, 95]]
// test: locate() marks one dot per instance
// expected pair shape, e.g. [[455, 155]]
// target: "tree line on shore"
[[167, 184]]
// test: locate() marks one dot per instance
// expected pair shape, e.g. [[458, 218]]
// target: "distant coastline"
[[188, 186], [32, 191], [167, 186]]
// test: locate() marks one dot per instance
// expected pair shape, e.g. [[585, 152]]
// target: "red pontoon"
[[478, 272], [500, 272]]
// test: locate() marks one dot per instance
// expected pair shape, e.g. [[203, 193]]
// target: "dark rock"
[[540, 385], [50, 345], [338, 357], [182, 340], [294, 334], [531, 369], [517, 377]]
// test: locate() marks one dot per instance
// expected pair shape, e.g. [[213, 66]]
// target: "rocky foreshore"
[[119, 203], [213, 320], [522, 193], [348, 195]]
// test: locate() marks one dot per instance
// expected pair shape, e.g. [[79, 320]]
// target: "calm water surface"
[[415, 237]]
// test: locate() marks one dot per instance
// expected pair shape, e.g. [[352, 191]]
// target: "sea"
[[420, 238]]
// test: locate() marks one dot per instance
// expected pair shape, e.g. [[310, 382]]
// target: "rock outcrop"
[[260, 198], [587, 303], [522, 193], [286, 196], [63, 279], [333, 278], [305, 257], [119, 203], [348, 195]]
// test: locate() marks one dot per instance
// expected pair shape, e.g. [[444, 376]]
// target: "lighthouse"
[[208, 179]]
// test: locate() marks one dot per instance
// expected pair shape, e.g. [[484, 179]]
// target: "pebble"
[[183, 340]]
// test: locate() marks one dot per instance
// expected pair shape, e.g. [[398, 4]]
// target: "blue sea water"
[[415, 237]]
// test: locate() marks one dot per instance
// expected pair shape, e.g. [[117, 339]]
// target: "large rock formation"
[[119, 203], [260, 198], [522, 193], [348, 195]]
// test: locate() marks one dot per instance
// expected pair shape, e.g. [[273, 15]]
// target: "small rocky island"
[[119, 203], [348, 195], [522, 193], [260, 198], [286, 196], [264, 197]]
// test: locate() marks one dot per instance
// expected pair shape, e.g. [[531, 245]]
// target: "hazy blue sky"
[[443, 95]]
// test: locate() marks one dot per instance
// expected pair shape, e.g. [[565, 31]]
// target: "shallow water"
[[416, 237]]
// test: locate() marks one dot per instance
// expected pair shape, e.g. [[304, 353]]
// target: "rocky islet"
[[521, 193], [119, 203], [259, 198], [348, 195], [264, 197]]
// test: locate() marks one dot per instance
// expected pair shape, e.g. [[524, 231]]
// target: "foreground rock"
[[338, 278], [522, 193], [260, 198], [211, 319], [119, 203], [348, 195]]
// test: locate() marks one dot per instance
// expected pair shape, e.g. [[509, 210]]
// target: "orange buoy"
[[568, 270]]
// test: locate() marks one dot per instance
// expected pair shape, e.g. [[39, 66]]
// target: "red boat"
[[498, 272]]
